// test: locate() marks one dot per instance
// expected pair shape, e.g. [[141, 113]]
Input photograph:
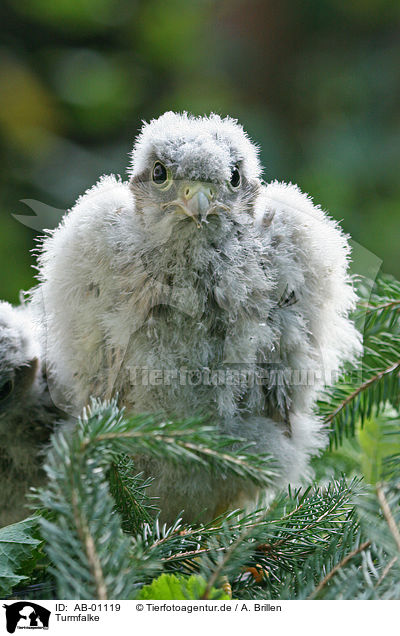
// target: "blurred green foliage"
[[364, 455], [316, 83]]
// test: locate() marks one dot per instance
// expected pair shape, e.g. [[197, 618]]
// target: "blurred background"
[[316, 84]]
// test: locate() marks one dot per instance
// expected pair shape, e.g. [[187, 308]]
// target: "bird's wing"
[[76, 270], [309, 256]]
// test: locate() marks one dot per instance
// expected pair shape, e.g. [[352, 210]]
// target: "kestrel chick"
[[193, 288], [27, 413]]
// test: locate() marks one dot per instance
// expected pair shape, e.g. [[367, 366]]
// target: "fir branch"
[[386, 571], [363, 387], [393, 304], [388, 514], [338, 567], [178, 441], [226, 557], [79, 495], [89, 558], [275, 543], [88, 541], [129, 492]]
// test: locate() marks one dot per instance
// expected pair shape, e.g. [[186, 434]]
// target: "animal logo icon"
[[26, 615]]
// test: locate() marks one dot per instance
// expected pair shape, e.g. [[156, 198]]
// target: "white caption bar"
[[239, 617]]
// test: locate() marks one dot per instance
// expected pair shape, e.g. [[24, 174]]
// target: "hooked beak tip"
[[197, 202]]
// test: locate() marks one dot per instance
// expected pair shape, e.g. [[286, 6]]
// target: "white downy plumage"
[[139, 301]]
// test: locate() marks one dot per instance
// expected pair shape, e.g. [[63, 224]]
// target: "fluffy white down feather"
[[127, 286]]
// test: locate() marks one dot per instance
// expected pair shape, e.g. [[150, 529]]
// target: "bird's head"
[[201, 169], [18, 357]]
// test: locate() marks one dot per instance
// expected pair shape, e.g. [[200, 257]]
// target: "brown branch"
[[338, 567], [361, 388], [93, 559], [386, 571], [197, 450], [387, 513], [371, 308], [394, 531]]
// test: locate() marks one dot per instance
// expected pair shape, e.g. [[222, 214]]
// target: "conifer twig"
[[219, 569], [92, 556], [338, 567], [392, 368], [388, 305], [386, 571], [387, 513]]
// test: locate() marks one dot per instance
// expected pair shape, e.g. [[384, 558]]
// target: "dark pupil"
[[5, 390], [159, 173], [235, 178]]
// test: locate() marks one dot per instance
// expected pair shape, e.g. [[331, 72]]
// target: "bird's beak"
[[196, 199]]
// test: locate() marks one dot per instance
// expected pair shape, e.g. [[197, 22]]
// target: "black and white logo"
[[26, 615]]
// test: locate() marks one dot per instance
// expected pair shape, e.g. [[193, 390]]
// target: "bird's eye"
[[160, 174], [235, 178], [6, 389]]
